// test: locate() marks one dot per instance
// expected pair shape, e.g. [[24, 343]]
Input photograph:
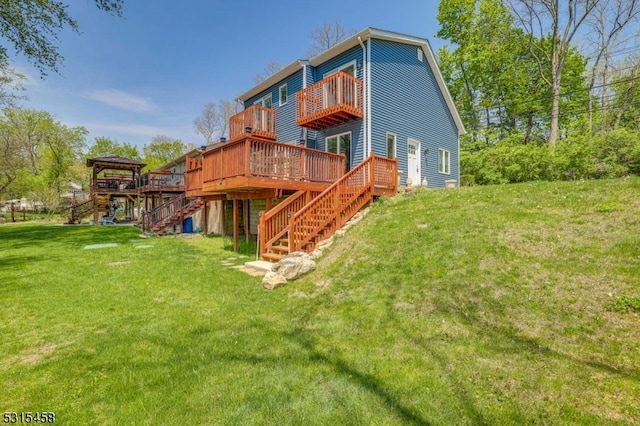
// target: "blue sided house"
[[377, 92], [323, 137]]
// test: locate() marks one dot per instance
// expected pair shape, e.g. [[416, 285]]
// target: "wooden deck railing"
[[274, 223], [326, 213], [193, 178], [162, 181], [124, 183], [333, 100], [162, 212], [266, 159], [170, 213], [261, 121], [78, 211]]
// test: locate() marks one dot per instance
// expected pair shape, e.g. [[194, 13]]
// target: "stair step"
[[280, 249], [272, 257]]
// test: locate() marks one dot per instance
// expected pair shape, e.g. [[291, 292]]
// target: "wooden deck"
[[164, 181], [334, 100], [253, 121], [115, 183], [253, 164]]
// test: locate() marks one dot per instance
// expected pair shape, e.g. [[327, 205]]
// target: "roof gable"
[[353, 41]]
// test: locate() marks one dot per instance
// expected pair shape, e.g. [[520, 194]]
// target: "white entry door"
[[413, 161]]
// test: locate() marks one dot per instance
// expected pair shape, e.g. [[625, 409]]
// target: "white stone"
[[295, 265], [273, 280]]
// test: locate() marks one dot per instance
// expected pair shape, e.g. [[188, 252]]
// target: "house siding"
[[286, 128], [355, 127], [406, 100]]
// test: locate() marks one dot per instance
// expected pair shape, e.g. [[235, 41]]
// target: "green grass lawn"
[[516, 304]]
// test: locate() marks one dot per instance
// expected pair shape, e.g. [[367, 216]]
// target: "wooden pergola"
[[114, 177]]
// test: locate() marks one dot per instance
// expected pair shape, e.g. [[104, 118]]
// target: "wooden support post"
[[205, 221], [247, 153], [94, 186], [245, 213], [223, 219], [236, 225]]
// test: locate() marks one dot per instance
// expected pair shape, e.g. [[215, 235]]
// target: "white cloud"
[[123, 100], [130, 129]]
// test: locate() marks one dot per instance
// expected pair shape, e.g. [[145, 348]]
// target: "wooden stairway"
[[171, 213], [306, 218], [84, 209]]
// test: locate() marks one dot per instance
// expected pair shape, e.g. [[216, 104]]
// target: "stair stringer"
[[171, 213], [330, 210]]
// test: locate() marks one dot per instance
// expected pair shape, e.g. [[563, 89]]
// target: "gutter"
[[369, 94], [365, 141], [305, 63]]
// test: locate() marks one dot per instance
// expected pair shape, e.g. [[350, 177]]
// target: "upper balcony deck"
[[255, 163], [115, 183], [256, 120], [331, 101]]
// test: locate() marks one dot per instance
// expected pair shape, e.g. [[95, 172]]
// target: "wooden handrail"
[[193, 178], [338, 91], [274, 223], [337, 204], [77, 211], [267, 159], [159, 180], [261, 120], [162, 212]]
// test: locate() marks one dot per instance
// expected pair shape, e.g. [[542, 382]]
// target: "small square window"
[[283, 94]]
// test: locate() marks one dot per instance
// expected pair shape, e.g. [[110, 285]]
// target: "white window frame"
[[286, 95], [263, 100], [444, 161], [395, 145], [340, 68], [420, 54], [337, 136]]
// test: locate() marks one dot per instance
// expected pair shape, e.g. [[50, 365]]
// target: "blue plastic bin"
[[187, 226]]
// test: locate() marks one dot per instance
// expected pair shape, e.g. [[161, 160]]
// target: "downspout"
[[364, 101], [369, 94], [304, 63]]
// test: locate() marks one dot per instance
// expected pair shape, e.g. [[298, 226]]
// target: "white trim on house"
[[365, 107], [341, 68], [286, 95], [410, 172], [444, 161], [263, 101], [337, 136], [395, 145], [368, 89]]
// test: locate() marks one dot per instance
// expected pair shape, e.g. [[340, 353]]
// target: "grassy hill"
[[515, 304]]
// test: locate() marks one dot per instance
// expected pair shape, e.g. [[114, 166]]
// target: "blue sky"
[[151, 72]]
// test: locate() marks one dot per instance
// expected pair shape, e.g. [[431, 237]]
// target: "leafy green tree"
[[103, 146], [499, 84], [488, 70], [41, 154], [32, 28], [162, 150]]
